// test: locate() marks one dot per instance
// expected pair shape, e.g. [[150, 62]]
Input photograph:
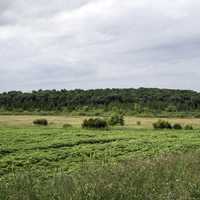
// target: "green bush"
[[162, 124], [116, 120], [95, 123], [197, 115], [188, 127], [42, 122], [177, 126], [138, 123], [67, 125]]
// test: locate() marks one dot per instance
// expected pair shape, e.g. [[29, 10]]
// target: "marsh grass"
[[173, 176]]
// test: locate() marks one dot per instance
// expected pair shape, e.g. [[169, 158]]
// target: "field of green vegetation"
[[130, 162], [50, 148]]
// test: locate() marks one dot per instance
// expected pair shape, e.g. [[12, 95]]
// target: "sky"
[[99, 44]]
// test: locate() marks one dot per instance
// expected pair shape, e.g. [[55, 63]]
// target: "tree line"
[[138, 100]]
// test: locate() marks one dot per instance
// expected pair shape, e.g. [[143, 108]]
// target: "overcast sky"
[[99, 43]]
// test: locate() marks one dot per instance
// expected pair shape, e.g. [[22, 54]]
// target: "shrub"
[[188, 127], [197, 115], [97, 113], [94, 123], [82, 114], [177, 126], [162, 124], [138, 123], [67, 125], [116, 120], [42, 122]]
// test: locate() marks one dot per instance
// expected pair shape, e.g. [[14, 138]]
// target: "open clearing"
[[24, 146], [58, 121]]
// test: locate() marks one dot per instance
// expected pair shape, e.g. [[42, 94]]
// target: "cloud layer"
[[99, 43]]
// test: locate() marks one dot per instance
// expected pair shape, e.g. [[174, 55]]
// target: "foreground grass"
[[166, 177]]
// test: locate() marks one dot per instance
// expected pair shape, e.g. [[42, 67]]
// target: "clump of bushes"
[[177, 126], [138, 123], [97, 123], [67, 125], [162, 124], [116, 120], [42, 122], [188, 127]]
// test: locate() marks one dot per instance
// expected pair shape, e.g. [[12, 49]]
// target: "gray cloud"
[[99, 43]]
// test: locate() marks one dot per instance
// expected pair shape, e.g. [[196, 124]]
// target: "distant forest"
[[131, 101]]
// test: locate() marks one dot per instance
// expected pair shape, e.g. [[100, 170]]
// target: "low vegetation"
[[177, 126], [47, 148], [138, 123], [188, 127], [165, 177], [116, 120], [162, 124], [64, 162], [96, 123], [42, 122], [67, 126]]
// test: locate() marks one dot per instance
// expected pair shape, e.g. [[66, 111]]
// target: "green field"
[[130, 162], [24, 146]]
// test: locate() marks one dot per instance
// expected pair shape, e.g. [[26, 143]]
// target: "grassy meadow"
[[21, 121], [130, 162]]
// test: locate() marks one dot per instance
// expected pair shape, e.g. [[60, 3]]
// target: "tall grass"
[[163, 178]]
